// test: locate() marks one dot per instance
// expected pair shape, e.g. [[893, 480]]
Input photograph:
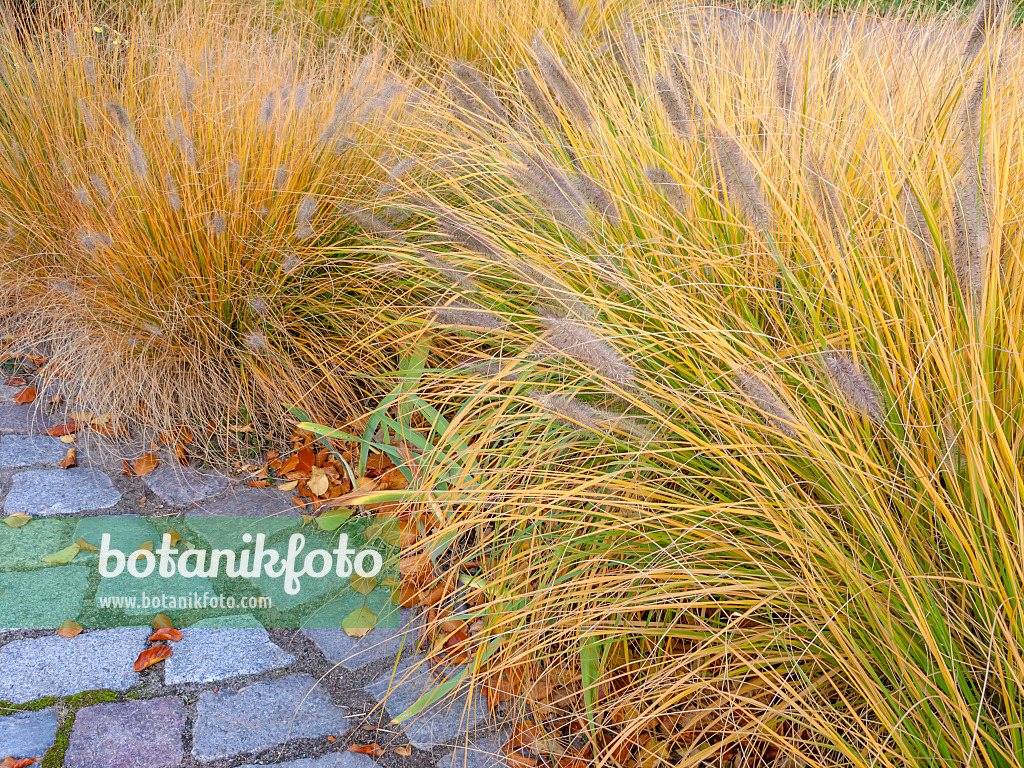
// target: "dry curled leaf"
[[166, 633], [70, 459], [16, 519], [15, 381], [63, 430], [374, 750], [151, 656], [26, 396], [145, 464], [403, 751], [70, 629]]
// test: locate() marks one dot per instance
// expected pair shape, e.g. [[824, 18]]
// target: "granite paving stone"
[[399, 688], [127, 533], [31, 451], [7, 394], [28, 734], [486, 752], [248, 502], [182, 486], [193, 591], [23, 419], [25, 546], [43, 599], [57, 666], [204, 654], [335, 760], [263, 715], [60, 492], [130, 734], [355, 653]]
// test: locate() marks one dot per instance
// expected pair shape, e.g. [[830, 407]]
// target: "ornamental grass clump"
[[809, 554], [180, 178]]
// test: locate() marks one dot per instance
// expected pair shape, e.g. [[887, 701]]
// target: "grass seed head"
[[856, 386], [568, 93]]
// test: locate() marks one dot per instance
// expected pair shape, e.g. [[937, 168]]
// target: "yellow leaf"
[[16, 519], [362, 584], [359, 622], [87, 546], [67, 439], [307, 519], [148, 546], [162, 621], [289, 486], [318, 482], [66, 555], [175, 537]]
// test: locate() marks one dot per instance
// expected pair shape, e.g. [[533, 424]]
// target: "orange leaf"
[[69, 629], [70, 459], [36, 360], [15, 381], [516, 760], [64, 429], [162, 621], [331, 739], [126, 467], [26, 396], [367, 749], [151, 656], [10, 762], [179, 451], [259, 483], [146, 464], [306, 459], [299, 502], [166, 633]]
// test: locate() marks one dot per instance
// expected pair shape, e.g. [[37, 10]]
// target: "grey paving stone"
[[127, 533], [130, 734], [481, 753], [7, 394], [31, 450], [60, 492], [248, 502], [182, 486], [23, 547], [56, 666], [43, 599], [240, 621], [28, 734], [184, 591], [441, 722], [22, 419], [263, 715], [204, 655], [355, 653], [335, 760]]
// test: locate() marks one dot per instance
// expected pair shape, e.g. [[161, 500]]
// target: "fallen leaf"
[[126, 467], [36, 360], [299, 502], [10, 762], [289, 486], [516, 760], [162, 621], [318, 483], [67, 439], [63, 430], [87, 546], [148, 546], [307, 519], [331, 739], [359, 622], [166, 633], [70, 459], [56, 401], [179, 451], [69, 629], [259, 483], [362, 584], [376, 750], [15, 381], [151, 656], [175, 537], [26, 396], [304, 460], [66, 555], [403, 751], [16, 519], [145, 464]]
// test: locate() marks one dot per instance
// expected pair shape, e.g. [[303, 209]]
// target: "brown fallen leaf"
[[179, 452], [15, 381], [64, 429], [403, 751], [162, 621], [375, 750], [70, 629], [151, 656], [166, 633], [26, 396], [145, 464], [10, 762], [126, 467], [70, 459], [259, 483]]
